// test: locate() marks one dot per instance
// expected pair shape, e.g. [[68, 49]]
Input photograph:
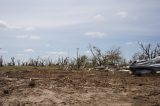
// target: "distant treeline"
[[111, 57]]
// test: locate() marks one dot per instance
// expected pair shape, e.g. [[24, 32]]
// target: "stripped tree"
[[148, 51]]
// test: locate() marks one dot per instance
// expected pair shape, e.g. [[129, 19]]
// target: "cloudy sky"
[[31, 28]]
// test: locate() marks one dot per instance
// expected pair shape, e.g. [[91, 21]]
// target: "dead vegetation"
[[50, 87]]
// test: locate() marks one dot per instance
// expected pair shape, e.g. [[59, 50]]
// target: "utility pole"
[[77, 58], [1, 60]]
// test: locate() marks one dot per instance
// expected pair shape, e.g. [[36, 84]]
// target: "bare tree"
[[138, 56], [97, 55], [12, 61], [66, 61], [148, 51], [156, 51], [31, 62], [23, 64], [49, 61], [73, 63], [94, 61], [113, 56], [36, 62], [41, 62], [82, 61]]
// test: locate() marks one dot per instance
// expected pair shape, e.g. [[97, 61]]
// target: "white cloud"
[[95, 34], [3, 52], [122, 14], [3, 24], [28, 50], [98, 17], [33, 37], [22, 36]]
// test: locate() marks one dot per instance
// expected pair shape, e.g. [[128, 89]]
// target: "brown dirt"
[[78, 88]]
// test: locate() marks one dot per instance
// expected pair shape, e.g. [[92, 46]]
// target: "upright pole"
[[1, 60], [77, 58]]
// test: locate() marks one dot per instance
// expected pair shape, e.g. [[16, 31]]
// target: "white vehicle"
[[143, 67]]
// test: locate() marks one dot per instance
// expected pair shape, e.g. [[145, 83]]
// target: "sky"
[[55, 28]]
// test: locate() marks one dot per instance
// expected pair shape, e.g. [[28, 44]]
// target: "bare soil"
[[78, 88]]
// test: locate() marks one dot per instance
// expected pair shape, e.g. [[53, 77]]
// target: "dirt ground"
[[77, 88]]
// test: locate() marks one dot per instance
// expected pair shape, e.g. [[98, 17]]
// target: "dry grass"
[[54, 87]]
